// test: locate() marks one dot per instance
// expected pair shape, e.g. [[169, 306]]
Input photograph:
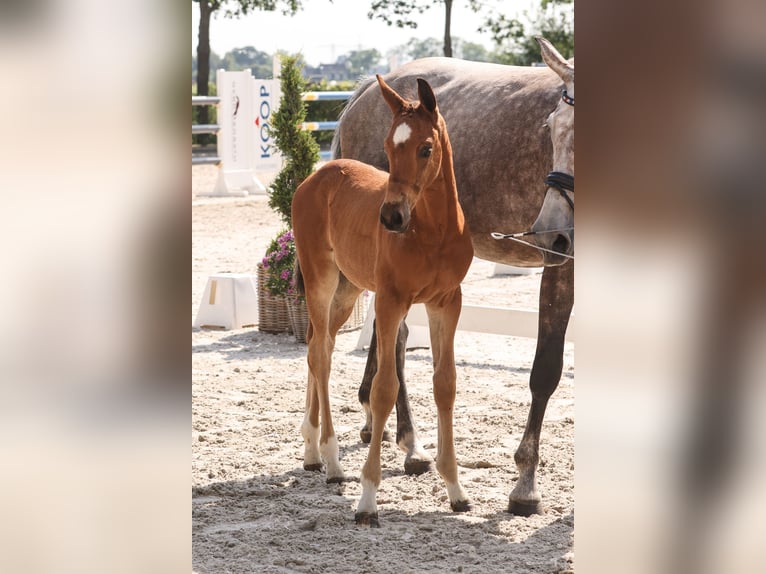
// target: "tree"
[[361, 61], [232, 9], [399, 13], [554, 20], [417, 48], [473, 51], [298, 147], [248, 57]]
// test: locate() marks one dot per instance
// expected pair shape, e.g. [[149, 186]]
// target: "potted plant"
[[279, 280], [300, 152], [285, 310]]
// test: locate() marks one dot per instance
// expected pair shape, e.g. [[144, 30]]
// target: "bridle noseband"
[[561, 182]]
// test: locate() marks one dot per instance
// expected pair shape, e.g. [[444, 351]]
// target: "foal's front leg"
[[385, 386], [442, 321]]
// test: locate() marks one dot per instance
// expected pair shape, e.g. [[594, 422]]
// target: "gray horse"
[[514, 166]]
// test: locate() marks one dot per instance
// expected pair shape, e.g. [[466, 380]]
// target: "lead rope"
[[512, 237]]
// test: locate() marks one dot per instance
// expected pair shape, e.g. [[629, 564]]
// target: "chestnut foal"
[[402, 235]]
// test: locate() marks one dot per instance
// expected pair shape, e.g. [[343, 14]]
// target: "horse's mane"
[[361, 87]]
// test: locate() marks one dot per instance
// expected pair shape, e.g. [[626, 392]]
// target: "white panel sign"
[[266, 157], [235, 143]]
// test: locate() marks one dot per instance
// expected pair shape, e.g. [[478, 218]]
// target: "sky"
[[322, 31]]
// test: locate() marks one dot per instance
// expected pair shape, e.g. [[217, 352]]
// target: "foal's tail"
[[300, 286]]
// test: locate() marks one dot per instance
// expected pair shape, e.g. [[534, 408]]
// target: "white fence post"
[[235, 138]]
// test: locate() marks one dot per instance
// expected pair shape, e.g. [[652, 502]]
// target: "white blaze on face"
[[402, 134]]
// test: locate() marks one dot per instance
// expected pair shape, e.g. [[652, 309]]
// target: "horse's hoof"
[[366, 436], [521, 508], [414, 467], [367, 519], [316, 467], [335, 479], [461, 506]]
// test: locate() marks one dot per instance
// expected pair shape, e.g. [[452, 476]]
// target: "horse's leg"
[[320, 289], [385, 387], [364, 388], [418, 460], [556, 300], [442, 321]]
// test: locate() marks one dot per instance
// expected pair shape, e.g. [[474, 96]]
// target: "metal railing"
[[205, 129]]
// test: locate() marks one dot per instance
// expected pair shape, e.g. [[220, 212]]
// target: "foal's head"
[[555, 222], [415, 149]]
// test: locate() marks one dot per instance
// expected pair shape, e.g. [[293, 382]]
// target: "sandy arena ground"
[[256, 510]]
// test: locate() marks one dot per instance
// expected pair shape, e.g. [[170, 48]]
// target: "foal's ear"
[[394, 100], [426, 95]]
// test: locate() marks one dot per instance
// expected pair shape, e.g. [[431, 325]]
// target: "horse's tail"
[[300, 286], [361, 87]]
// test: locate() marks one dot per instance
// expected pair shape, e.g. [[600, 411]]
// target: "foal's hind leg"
[[312, 459], [418, 460], [556, 300], [442, 322], [321, 283]]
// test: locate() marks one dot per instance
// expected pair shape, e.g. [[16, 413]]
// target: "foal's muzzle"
[[395, 216]]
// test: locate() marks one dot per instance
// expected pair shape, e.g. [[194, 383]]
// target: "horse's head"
[[554, 226], [414, 149]]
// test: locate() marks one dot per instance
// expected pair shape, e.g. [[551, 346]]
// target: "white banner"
[[266, 158]]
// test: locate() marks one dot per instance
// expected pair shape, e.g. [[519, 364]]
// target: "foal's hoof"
[[415, 466], [316, 467], [335, 479], [461, 506], [367, 519], [366, 435], [522, 508]]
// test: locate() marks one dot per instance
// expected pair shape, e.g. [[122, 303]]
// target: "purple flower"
[[285, 274]]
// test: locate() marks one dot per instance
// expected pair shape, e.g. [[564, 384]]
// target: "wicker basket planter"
[[273, 316]]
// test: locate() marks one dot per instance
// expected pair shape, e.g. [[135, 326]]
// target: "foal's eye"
[[425, 151]]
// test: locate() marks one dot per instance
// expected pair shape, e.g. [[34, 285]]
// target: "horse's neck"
[[440, 207]]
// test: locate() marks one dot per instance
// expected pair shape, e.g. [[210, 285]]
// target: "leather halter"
[[558, 180]]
